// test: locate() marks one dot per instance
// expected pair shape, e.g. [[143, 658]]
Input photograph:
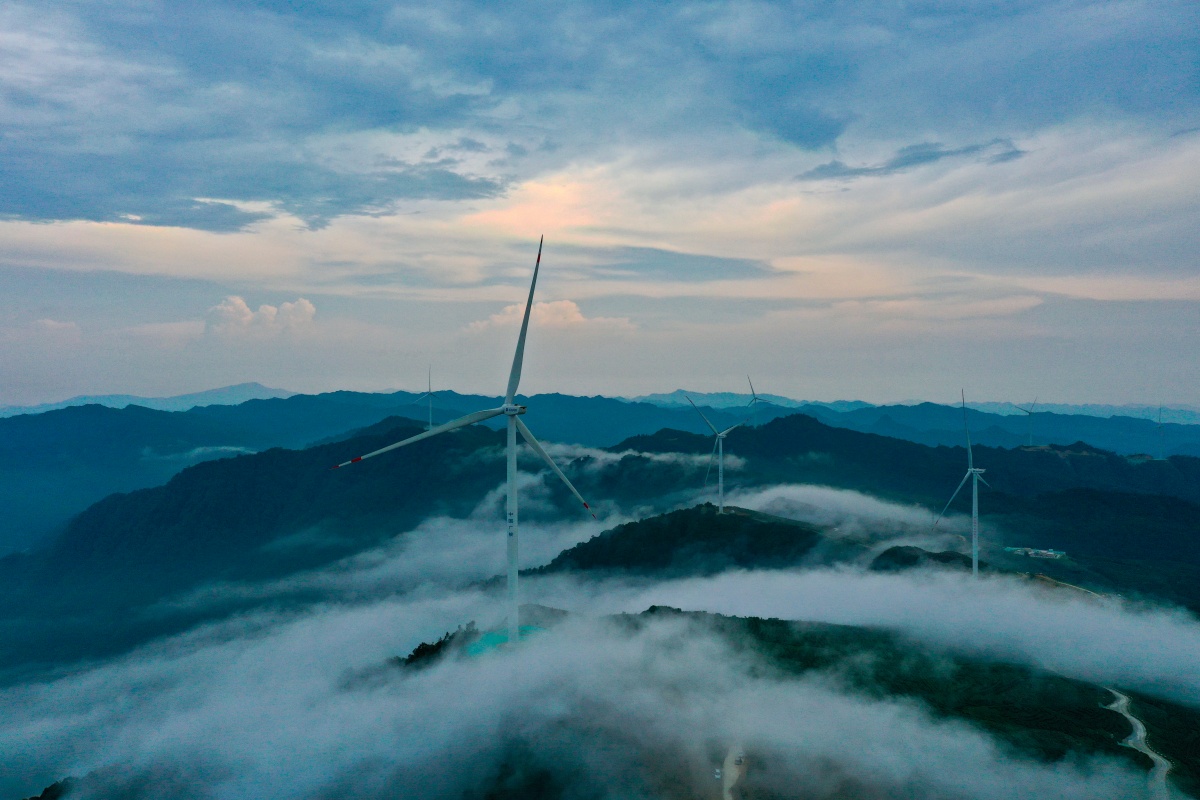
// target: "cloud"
[[300, 705], [915, 155], [551, 314], [232, 316], [55, 328], [649, 263], [846, 513], [1105, 641]]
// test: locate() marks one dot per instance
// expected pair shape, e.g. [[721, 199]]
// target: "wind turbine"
[[976, 475], [1029, 413], [513, 412], [429, 393], [719, 449]]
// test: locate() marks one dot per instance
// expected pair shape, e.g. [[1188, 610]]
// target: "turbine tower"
[[1029, 414], [719, 451], [513, 413], [976, 475]]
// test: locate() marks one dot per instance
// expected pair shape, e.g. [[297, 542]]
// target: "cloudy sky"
[[879, 201]]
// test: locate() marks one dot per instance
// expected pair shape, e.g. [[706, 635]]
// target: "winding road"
[[1137, 741], [732, 770]]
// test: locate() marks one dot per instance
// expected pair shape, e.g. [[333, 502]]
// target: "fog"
[[297, 698], [303, 706], [1102, 640]]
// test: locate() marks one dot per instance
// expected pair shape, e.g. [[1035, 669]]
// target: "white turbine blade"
[[985, 483], [514, 377], [711, 456], [701, 413], [731, 427], [956, 491], [1033, 405], [533, 442], [478, 416], [419, 399], [753, 394]]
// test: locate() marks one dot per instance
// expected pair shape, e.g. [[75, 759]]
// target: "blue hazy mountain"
[[226, 395], [1129, 526], [57, 463]]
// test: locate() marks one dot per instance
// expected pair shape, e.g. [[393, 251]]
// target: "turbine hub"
[[513, 410]]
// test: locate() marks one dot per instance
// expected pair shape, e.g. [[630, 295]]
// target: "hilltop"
[[1035, 713], [699, 541]]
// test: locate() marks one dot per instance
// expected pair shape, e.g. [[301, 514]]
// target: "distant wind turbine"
[[976, 475], [719, 449], [513, 412], [429, 393], [1029, 414]]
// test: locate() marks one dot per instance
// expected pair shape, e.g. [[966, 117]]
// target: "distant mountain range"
[[1180, 414], [1127, 526], [57, 463], [734, 400], [226, 395]]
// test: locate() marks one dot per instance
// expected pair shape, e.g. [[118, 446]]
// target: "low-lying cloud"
[[302, 706], [299, 703], [1102, 640]]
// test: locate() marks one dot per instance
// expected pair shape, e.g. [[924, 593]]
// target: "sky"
[[873, 201]]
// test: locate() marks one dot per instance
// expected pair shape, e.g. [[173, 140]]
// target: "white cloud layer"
[[233, 316]]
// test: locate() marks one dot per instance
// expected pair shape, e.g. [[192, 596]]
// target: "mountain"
[[699, 541], [735, 400], [1127, 526], [801, 448], [61, 461], [57, 463], [226, 395], [1032, 713], [932, 424], [269, 514]]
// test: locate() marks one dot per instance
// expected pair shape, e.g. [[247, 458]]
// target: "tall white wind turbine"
[[719, 451], [513, 412], [976, 475], [1029, 414]]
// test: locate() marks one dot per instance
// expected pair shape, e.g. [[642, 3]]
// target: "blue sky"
[[846, 200]]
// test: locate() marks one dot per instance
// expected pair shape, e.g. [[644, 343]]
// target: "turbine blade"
[[533, 442], [731, 427], [985, 483], [478, 416], [514, 377], [956, 491], [753, 394], [701, 413], [419, 399], [711, 456]]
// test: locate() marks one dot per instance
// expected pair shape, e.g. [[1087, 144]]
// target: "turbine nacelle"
[[512, 409]]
